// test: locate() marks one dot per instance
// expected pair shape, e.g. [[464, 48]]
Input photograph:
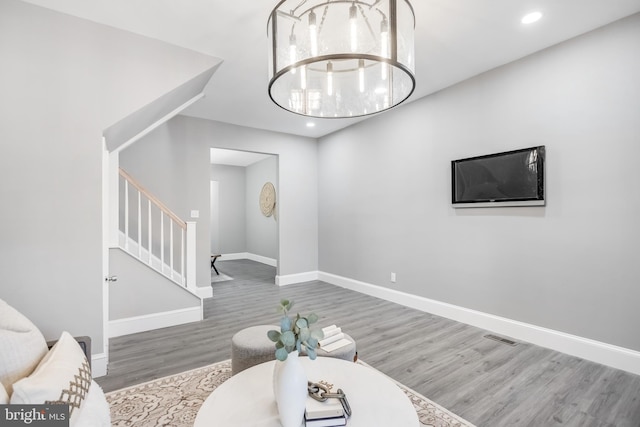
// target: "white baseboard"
[[263, 259], [247, 255], [290, 279], [99, 365], [234, 256], [149, 322], [204, 291], [595, 351]]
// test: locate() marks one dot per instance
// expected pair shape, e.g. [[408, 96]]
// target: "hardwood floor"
[[484, 381]]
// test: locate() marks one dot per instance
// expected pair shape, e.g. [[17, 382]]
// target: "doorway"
[[239, 229]]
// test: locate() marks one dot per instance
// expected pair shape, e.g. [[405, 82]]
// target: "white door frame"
[[110, 176]]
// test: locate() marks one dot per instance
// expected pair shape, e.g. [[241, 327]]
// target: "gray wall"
[[141, 290], [232, 235], [240, 225], [572, 266], [69, 80], [262, 231], [181, 171], [166, 176]]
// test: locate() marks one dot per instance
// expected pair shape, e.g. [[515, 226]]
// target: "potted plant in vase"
[[289, 378]]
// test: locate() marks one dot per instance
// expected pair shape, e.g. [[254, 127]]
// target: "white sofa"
[[31, 373]]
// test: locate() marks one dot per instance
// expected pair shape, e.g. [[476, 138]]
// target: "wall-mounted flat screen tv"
[[512, 178]]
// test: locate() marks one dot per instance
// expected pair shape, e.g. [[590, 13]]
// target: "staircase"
[[154, 235]]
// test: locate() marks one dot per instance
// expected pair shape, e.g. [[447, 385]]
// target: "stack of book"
[[324, 414], [333, 339]]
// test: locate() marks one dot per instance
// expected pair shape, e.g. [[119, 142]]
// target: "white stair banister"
[[182, 248]]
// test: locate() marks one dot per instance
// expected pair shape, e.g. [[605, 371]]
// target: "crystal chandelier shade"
[[337, 59]]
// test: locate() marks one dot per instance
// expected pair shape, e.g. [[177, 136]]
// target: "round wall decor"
[[267, 199]]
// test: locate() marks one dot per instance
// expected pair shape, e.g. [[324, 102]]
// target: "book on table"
[[326, 422], [333, 339], [315, 409], [329, 413]]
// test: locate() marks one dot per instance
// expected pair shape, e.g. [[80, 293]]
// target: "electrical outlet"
[[393, 277]]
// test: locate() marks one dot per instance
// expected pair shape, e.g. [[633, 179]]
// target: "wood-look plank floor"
[[486, 382]]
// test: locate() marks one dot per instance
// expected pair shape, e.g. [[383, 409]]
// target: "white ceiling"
[[455, 40]]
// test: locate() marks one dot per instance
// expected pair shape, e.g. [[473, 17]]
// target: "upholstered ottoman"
[[252, 346]]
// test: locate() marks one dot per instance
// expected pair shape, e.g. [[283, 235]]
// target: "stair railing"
[[155, 235]]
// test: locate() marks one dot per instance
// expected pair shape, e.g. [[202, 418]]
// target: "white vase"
[[290, 390]]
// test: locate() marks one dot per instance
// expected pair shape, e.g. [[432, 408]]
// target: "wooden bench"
[[213, 262]]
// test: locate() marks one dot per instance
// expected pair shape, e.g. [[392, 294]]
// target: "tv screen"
[[512, 178]]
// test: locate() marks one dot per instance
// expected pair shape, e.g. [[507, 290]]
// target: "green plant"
[[295, 332]]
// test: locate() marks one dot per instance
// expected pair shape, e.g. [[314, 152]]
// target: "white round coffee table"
[[246, 399]]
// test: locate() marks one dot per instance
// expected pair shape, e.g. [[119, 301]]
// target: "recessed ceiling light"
[[311, 124], [532, 17]]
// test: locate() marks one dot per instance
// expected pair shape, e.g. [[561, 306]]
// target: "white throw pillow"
[[22, 346], [95, 411], [63, 376], [4, 397]]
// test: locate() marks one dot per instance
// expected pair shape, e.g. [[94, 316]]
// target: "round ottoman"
[[251, 346]]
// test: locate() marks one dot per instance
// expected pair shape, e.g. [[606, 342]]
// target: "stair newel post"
[[171, 248], [139, 225], [126, 215], [191, 255], [162, 242], [183, 279], [149, 235]]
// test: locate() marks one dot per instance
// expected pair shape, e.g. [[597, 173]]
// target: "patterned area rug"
[[175, 400]]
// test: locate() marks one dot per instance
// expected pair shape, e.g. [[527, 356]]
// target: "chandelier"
[[338, 58]]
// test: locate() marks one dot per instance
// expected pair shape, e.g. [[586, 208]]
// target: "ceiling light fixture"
[[341, 58], [532, 17]]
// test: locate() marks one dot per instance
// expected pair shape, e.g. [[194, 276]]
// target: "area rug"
[[175, 400]]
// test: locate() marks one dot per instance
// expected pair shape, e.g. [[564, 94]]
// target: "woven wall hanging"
[[267, 199]]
